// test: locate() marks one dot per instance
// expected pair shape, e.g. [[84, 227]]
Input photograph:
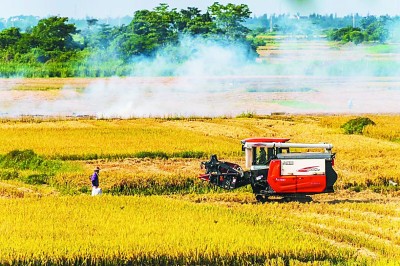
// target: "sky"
[[120, 8]]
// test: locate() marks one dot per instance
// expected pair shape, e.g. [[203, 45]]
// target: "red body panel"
[[311, 183], [280, 184], [294, 184]]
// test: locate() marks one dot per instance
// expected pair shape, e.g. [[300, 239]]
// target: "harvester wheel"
[[261, 198], [287, 199]]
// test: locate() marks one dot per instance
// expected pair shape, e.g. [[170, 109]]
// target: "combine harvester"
[[275, 167]]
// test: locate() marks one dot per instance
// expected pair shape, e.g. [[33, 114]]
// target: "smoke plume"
[[199, 77]]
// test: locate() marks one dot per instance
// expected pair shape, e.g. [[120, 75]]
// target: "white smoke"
[[181, 80], [199, 77]]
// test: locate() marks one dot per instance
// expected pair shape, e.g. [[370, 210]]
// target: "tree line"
[[371, 29], [56, 47], [54, 41]]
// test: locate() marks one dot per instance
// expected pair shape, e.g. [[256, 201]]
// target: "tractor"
[[276, 167]]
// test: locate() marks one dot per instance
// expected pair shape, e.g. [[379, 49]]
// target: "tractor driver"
[[262, 158]]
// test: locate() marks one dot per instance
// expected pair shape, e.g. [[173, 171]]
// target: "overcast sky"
[[119, 8]]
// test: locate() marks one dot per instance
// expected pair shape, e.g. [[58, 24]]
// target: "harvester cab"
[[275, 166]]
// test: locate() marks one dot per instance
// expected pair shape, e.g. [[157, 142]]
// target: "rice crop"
[[155, 211], [95, 139], [362, 161]]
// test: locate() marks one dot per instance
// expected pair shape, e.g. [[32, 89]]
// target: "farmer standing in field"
[[95, 182]]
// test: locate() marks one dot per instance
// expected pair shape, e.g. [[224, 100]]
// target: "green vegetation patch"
[[357, 125], [246, 115], [24, 160], [28, 167], [382, 49]]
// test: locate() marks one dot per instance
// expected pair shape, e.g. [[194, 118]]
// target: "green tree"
[[9, 37], [131, 44], [356, 37], [229, 19], [148, 31], [192, 21], [377, 31], [372, 29], [91, 22], [101, 37], [366, 21], [160, 23], [347, 34], [15, 45]]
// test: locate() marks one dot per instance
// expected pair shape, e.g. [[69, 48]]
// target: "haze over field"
[[105, 8], [205, 77], [216, 81]]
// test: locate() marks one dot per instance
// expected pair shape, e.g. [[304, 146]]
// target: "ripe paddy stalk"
[[106, 138], [152, 229], [361, 161]]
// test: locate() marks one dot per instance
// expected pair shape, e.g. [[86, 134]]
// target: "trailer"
[[276, 167]]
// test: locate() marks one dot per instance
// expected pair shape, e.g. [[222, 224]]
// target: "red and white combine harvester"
[[275, 167]]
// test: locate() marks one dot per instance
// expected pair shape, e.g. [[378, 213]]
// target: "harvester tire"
[[261, 198]]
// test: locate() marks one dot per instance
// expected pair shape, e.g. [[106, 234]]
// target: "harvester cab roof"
[[274, 166], [278, 147]]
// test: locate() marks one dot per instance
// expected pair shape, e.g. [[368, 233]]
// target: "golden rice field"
[[155, 211], [163, 230], [371, 157]]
